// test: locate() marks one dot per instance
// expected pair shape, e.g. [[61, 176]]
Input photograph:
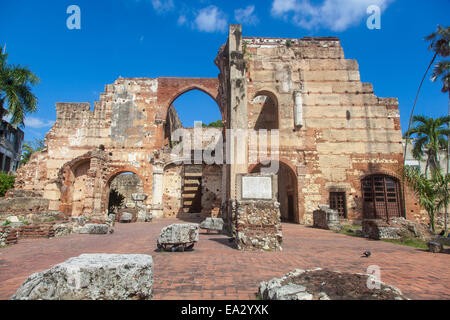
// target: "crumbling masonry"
[[339, 144]]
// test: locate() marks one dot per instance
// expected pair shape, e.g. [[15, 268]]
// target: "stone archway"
[[287, 190]]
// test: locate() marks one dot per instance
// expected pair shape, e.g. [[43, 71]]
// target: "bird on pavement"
[[111, 231], [366, 254]]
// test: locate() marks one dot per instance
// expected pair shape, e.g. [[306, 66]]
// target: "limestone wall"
[[344, 132]]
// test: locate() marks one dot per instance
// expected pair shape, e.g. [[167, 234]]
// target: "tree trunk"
[[448, 160], [409, 127]]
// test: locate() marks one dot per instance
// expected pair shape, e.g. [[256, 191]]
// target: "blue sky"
[[152, 38]]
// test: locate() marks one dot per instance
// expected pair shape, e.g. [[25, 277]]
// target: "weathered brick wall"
[[126, 185], [347, 131], [8, 236], [211, 190], [258, 225], [38, 230], [127, 122], [172, 202]]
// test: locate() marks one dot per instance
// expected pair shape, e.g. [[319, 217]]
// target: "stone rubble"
[[92, 277], [212, 224], [302, 285], [178, 234]]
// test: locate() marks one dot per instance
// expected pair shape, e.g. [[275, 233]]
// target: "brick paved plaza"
[[216, 271]]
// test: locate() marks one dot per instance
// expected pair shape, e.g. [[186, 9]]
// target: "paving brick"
[[214, 270]]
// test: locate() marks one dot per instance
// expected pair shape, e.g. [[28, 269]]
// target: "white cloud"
[[163, 6], [246, 15], [182, 20], [210, 19], [37, 123], [337, 15]]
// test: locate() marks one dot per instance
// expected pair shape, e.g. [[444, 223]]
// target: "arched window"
[[381, 196], [263, 112]]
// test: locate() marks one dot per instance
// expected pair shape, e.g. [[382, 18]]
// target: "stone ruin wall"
[[346, 133], [126, 185], [87, 148]]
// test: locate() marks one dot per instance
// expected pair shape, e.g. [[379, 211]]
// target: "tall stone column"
[[237, 140], [157, 190], [238, 105]]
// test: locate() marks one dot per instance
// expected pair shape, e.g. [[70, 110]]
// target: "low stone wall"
[[39, 230], [395, 228], [133, 212], [258, 225], [8, 236], [326, 218]]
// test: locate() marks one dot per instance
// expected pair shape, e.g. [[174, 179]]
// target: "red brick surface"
[[216, 271]]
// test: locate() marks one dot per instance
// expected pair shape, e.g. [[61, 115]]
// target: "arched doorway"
[[195, 181], [381, 196], [121, 188], [287, 191]]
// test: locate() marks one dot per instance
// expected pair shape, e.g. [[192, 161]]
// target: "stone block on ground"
[[320, 284], [126, 217], [139, 196], [395, 228], [80, 220], [212, 224], [435, 246], [180, 235], [92, 277], [93, 228]]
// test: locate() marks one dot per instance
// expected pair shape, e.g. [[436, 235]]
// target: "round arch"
[[287, 189], [169, 89], [265, 110], [381, 196], [109, 179]]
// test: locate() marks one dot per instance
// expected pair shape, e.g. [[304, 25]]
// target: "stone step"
[[193, 174], [192, 183], [188, 195], [191, 189]]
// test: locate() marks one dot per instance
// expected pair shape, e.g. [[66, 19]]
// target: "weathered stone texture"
[[92, 277], [258, 225], [319, 284], [395, 228], [179, 233], [333, 132]]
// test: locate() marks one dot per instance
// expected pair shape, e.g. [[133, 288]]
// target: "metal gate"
[[337, 202], [381, 195]]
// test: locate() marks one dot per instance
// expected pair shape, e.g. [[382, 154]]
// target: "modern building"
[[11, 142]]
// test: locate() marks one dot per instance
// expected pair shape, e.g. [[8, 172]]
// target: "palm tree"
[[442, 70], [16, 98], [439, 43], [430, 139], [431, 192]]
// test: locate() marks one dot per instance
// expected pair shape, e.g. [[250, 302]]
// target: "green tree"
[[440, 45], [430, 137], [115, 200], [6, 183], [16, 98], [31, 147], [215, 124], [442, 70], [431, 192]]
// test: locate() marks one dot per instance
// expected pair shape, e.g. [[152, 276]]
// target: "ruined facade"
[[336, 138]]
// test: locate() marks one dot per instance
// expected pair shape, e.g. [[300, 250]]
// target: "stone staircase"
[[192, 189]]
